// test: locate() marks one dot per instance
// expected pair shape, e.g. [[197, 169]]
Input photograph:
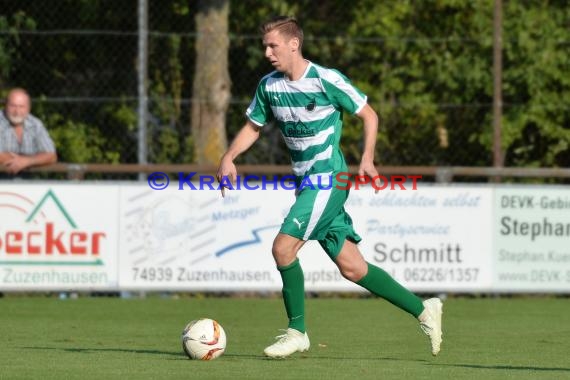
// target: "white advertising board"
[[429, 239], [532, 239], [58, 237], [197, 240], [127, 236]]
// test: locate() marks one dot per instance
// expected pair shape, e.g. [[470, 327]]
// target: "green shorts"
[[319, 214]]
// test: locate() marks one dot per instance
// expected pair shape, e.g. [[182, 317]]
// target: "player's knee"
[[282, 253], [353, 273]]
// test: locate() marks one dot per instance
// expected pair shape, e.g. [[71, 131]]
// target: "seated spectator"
[[24, 141]]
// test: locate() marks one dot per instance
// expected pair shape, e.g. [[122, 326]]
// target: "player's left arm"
[[370, 122], [343, 94]]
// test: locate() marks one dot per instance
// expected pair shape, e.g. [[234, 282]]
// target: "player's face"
[[278, 50], [17, 107]]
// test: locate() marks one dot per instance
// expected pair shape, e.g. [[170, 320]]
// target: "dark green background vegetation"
[[425, 65]]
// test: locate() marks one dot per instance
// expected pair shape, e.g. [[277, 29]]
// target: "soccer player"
[[307, 102]]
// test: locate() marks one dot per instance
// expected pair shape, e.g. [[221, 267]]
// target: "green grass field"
[[109, 338]]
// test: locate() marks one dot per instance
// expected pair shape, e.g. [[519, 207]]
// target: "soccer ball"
[[203, 339]]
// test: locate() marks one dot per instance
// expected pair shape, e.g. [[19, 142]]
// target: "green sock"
[[294, 294], [378, 282]]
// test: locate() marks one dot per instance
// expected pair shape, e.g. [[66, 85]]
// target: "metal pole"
[[497, 84], [142, 82]]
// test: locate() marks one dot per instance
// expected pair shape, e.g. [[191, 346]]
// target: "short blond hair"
[[286, 25]]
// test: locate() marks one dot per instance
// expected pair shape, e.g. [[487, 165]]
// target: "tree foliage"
[[426, 67]]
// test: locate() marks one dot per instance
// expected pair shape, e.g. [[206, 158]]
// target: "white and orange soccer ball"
[[204, 339]]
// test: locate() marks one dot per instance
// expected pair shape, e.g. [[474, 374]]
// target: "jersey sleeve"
[[342, 93], [259, 111]]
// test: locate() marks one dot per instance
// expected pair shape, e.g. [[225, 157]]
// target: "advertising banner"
[[433, 239], [197, 240], [60, 237], [429, 239], [532, 239], [129, 236]]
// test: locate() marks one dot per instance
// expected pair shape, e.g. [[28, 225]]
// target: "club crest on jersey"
[[311, 106]]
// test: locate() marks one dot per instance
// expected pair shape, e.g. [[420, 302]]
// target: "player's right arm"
[[257, 115], [242, 142]]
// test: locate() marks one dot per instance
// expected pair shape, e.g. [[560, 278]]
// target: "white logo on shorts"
[[299, 224]]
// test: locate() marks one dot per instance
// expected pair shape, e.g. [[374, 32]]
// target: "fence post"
[[497, 86], [142, 82]]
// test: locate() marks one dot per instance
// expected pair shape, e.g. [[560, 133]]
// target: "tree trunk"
[[211, 92]]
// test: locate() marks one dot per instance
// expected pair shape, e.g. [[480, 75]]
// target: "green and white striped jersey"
[[309, 114]]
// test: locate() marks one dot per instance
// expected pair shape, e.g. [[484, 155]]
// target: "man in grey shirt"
[[24, 141]]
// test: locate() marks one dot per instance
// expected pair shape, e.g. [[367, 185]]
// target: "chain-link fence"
[[426, 66]]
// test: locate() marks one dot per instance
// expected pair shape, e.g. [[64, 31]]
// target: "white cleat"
[[290, 342], [430, 323]]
